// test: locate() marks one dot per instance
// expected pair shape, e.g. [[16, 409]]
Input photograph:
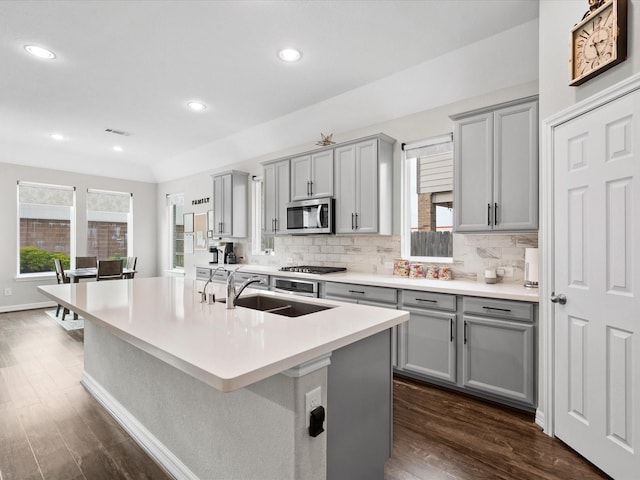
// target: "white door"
[[597, 268]]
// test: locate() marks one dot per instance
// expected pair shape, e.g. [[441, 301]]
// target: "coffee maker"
[[213, 250], [229, 255]]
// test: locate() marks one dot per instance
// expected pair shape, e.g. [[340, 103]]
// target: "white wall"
[[25, 292], [557, 17]]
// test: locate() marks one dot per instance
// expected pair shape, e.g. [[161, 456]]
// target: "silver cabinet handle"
[[498, 309], [352, 224], [310, 188], [465, 332], [451, 329], [357, 291], [426, 300], [560, 298], [356, 221], [495, 214], [488, 214]]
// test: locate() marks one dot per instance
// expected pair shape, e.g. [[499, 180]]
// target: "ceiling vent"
[[117, 132]]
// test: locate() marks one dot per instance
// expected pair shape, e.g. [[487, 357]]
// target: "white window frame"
[[257, 204], [406, 189], [72, 230], [170, 253]]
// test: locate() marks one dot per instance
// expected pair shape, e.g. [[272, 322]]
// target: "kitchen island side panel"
[[254, 432]]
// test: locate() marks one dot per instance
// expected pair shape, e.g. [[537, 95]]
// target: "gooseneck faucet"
[[203, 292], [232, 295]]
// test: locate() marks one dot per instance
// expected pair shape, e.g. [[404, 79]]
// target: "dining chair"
[[131, 265], [86, 262], [62, 278], [109, 270]]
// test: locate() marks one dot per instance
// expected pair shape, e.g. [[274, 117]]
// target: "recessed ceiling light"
[[40, 52], [196, 106], [117, 148], [56, 136], [289, 55]]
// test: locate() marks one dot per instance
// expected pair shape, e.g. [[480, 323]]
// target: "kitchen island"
[[216, 393]]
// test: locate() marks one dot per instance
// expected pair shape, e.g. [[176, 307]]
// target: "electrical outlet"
[[8, 292], [312, 399]]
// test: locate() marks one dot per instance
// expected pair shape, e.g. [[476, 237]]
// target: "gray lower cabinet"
[[481, 346], [427, 342], [498, 353]]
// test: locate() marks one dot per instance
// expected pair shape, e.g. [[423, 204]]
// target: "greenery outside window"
[[175, 210], [46, 227], [427, 200]]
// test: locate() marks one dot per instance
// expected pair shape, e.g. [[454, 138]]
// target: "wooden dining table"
[[77, 273]]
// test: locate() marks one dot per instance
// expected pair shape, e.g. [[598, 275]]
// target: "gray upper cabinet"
[[230, 203], [312, 175], [276, 197], [496, 168], [363, 182]]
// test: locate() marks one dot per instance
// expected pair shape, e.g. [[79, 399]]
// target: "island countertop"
[[227, 349]]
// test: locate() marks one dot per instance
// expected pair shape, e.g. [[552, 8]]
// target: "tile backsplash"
[[472, 254]]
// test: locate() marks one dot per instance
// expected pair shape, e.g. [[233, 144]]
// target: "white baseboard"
[[26, 306], [540, 419], [143, 437]]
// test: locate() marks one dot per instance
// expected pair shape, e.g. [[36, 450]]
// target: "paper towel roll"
[[531, 265]]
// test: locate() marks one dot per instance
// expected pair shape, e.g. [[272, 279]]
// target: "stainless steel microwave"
[[310, 217]]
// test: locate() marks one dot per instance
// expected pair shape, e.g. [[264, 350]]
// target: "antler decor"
[[593, 6], [326, 140]]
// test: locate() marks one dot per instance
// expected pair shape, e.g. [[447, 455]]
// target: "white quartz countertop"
[[227, 349], [507, 291]]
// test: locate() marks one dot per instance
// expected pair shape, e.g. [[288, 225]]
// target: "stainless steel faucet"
[[232, 296], [211, 298]]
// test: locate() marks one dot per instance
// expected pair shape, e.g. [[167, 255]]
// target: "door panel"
[[597, 338]]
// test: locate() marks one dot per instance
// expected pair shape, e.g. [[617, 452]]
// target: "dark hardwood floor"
[[51, 428]]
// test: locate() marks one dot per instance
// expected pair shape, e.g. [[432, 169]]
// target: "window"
[[109, 224], [46, 227], [175, 208], [428, 200], [262, 243]]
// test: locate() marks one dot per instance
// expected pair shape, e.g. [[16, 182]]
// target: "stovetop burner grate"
[[312, 269]]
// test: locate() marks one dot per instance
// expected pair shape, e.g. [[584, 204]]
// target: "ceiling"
[[133, 66]]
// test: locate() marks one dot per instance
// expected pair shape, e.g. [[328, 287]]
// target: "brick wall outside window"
[[107, 240], [49, 235]]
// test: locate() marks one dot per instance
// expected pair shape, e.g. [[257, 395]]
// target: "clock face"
[[594, 43], [599, 41]]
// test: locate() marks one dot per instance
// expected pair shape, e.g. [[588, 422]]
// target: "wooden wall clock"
[[599, 40]]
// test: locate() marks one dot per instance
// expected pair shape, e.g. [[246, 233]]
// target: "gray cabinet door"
[[300, 173], [515, 177], [428, 345], [498, 358], [321, 174], [366, 187], [356, 183], [312, 176], [222, 205], [345, 180], [276, 197], [270, 199], [473, 173]]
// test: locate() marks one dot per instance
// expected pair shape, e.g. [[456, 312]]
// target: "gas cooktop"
[[312, 269]]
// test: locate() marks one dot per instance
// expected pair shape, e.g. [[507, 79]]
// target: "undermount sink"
[[279, 306]]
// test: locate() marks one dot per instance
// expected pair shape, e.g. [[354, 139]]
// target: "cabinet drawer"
[[435, 301], [241, 277], [362, 292], [202, 273], [507, 309]]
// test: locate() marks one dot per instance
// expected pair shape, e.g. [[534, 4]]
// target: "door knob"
[[560, 298]]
